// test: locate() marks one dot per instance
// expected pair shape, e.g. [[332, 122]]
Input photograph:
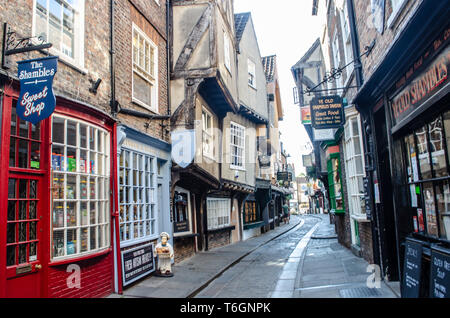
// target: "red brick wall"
[[96, 279], [150, 18], [69, 81]]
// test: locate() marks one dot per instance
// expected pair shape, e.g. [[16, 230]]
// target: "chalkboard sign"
[[412, 268], [440, 273], [136, 263]]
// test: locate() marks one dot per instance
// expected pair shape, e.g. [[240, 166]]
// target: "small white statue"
[[164, 252]]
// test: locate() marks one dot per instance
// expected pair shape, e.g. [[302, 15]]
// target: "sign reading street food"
[[327, 112], [37, 100]]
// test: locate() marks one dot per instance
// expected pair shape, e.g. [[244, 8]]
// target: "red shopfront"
[[56, 202]]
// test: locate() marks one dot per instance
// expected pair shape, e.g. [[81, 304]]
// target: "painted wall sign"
[[37, 100], [412, 267], [327, 112], [440, 273], [137, 262], [423, 79]]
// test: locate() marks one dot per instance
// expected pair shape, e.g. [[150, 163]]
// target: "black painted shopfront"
[[406, 114]]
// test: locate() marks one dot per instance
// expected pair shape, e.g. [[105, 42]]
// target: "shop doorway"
[[384, 200], [25, 201]]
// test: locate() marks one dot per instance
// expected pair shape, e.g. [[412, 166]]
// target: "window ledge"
[[185, 236], [253, 225], [237, 168], [144, 105], [360, 218], [222, 229], [138, 241], [79, 258]]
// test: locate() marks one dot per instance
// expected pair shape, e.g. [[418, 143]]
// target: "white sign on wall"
[[324, 134]]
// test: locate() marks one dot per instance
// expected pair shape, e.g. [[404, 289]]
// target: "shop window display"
[[80, 187], [427, 176], [137, 198]]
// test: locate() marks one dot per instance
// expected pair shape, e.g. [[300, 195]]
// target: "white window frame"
[[143, 73], [397, 8], [147, 200], [227, 50], [346, 38], [77, 61], [207, 134], [251, 73], [336, 57], [218, 214], [233, 128], [101, 188], [350, 142], [189, 217]]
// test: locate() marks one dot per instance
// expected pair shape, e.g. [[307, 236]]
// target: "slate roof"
[[269, 63], [240, 21]]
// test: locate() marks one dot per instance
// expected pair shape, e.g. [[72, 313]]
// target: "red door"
[[25, 201]]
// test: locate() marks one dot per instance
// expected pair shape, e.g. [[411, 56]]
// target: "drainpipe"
[[168, 36], [368, 137], [113, 70]]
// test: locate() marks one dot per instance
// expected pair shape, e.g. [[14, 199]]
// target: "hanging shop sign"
[[327, 112], [423, 79], [440, 273], [137, 263], [284, 176], [307, 160], [37, 100], [306, 115], [412, 268], [183, 147]]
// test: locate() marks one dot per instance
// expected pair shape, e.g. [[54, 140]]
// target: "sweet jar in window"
[[58, 216], [83, 189]]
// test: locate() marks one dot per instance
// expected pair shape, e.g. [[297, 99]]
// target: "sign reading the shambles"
[[327, 112], [137, 263], [36, 101]]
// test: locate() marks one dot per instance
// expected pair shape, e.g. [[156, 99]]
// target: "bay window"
[[354, 163], [137, 196], [80, 166]]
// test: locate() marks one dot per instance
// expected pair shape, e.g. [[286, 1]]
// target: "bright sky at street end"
[[287, 29]]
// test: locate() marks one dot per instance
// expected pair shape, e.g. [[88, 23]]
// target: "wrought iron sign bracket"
[[334, 74], [13, 45]]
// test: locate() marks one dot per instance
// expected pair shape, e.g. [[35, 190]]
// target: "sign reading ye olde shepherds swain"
[[327, 112], [37, 100]]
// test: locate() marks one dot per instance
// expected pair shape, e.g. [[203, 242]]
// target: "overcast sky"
[[287, 29]]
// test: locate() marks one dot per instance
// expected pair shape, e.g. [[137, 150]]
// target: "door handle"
[[38, 266]]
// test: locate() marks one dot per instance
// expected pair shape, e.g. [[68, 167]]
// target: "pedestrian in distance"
[[286, 217]]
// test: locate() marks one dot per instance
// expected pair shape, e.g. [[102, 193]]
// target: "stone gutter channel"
[[205, 285]]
